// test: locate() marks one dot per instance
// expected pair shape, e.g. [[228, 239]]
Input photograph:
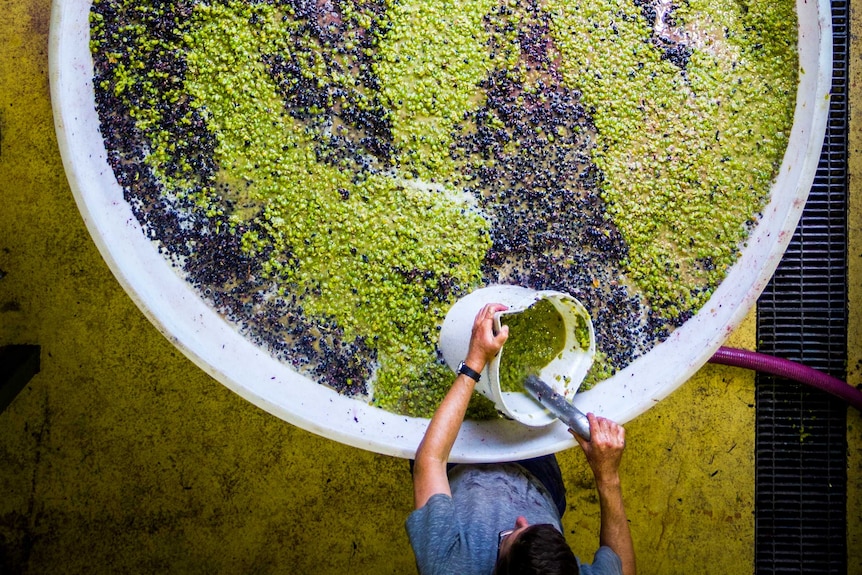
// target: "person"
[[505, 518]]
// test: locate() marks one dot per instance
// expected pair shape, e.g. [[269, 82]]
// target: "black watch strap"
[[465, 369]]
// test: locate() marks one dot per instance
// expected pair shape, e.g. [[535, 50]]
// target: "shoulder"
[[433, 524], [605, 562], [436, 538], [439, 504]]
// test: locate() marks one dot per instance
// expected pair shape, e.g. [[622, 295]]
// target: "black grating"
[[801, 476]]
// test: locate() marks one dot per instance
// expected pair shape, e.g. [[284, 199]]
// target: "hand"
[[484, 345], [604, 451]]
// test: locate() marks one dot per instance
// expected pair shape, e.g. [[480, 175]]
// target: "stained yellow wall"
[[122, 456]]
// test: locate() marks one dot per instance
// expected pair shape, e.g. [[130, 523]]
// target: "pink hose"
[[790, 370]]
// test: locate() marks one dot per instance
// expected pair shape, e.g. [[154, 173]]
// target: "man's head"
[[535, 549]]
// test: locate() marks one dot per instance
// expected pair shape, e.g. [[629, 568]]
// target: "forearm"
[[429, 472], [615, 532], [444, 426]]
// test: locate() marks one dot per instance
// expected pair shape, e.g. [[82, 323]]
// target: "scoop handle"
[[558, 405]]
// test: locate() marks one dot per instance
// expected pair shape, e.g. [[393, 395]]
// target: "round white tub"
[[218, 348]]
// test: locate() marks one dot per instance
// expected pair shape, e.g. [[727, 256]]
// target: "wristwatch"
[[465, 369]]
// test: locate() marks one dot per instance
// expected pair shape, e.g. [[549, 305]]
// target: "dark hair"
[[538, 549]]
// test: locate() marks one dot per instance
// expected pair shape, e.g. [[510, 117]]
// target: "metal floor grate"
[[801, 442]]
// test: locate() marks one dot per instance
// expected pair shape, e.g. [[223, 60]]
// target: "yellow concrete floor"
[[122, 456]]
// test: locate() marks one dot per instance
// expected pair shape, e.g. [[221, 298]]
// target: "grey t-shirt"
[[458, 534]]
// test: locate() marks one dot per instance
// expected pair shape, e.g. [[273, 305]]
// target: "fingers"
[[585, 445], [502, 335], [487, 312], [484, 343], [604, 433], [484, 323], [605, 449]]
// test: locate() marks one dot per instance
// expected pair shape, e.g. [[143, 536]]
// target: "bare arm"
[[604, 452], [429, 471]]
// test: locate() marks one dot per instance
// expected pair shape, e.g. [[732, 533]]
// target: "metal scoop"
[[558, 405]]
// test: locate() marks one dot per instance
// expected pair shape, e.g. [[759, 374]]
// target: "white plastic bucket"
[[564, 373]]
